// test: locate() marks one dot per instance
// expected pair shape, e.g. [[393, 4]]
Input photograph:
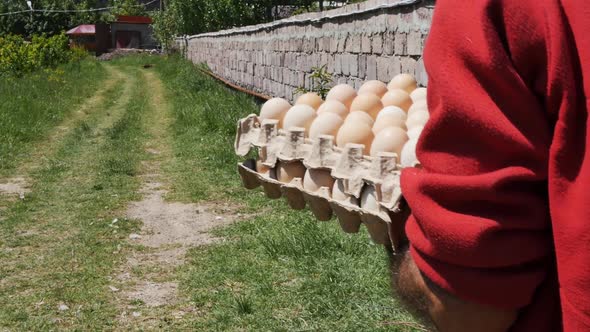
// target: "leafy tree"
[[128, 7], [51, 23]]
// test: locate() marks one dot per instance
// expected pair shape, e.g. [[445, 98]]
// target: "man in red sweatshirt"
[[500, 226]]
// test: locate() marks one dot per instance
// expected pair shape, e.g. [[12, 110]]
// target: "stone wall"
[[376, 39]]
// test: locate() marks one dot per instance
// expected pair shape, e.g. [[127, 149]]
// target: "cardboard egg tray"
[[348, 166]]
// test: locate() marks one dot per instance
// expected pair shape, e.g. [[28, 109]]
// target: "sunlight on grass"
[[292, 272]]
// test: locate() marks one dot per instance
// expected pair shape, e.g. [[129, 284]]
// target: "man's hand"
[[447, 312]]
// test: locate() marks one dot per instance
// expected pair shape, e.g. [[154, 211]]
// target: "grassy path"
[[58, 244]]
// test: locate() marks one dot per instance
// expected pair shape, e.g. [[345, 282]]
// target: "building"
[[133, 32], [126, 32], [93, 37]]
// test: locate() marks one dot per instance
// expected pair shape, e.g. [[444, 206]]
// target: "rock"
[[114, 289], [63, 307], [136, 314], [134, 236]]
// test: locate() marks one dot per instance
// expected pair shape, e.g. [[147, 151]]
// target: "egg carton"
[[348, 166]]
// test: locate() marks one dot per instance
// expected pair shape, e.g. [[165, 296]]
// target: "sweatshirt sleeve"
[[480, 227]]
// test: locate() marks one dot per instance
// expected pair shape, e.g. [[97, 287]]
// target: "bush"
[[18, 56]]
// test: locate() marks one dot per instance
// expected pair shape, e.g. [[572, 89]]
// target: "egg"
[[261, 168], [317, 178], [403, 81], [287, 171], [418, 118], [343, 93], [325, 124], [393, 110], [375, 87], [360, 116], [388, 120], [310, 99], [397, 97], [339, 195], [418, 94], [369, 199], [415, 132], [275, 108], [355, 132], [390, 139], [408, 157], [369, 103], [299, 116], [334, 106], [420, 105]]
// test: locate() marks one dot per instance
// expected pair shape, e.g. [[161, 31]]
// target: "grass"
[[33, 105], [279, 271], [59, 245]]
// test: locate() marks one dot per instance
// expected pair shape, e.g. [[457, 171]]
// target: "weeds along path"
[[149, 296], [16, 185], [60, 244]]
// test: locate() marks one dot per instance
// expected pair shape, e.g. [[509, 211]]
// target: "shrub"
[[18, 56]]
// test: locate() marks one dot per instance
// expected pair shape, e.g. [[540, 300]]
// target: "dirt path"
[[149, 288]]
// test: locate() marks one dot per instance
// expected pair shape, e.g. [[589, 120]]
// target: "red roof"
[[134, 19], [84, 29]]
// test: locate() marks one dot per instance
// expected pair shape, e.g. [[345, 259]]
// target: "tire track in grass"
[[149, 297], [58, 245], [17, 185]]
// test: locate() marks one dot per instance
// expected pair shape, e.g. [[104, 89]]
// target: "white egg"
[[339, 195], [390, 139], [420, 105], [317, 178], [325, 124], [343, 93], [369, 103], [418, 118], [287, 171], [334, 106], [408, 157], [275, 108], [310, 99], [360, 116], [397, 97], [418, 94], [355, 132], [405, 82], [388, 121], [398, 112], [374, 87], [415, 132], [299, 116], [369, 199]]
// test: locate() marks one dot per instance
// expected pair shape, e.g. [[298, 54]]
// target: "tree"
[[51, 23]]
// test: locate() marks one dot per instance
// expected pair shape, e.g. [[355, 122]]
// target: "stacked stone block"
[[275, 59]]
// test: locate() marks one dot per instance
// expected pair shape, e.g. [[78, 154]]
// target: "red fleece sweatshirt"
[[501, 208]]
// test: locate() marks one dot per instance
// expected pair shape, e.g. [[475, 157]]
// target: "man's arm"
[[480, 230], [439, 308]]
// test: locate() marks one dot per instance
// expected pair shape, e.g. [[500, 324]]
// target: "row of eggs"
[[384, 118]]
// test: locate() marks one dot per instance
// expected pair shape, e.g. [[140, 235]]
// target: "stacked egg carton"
[[338, 162]]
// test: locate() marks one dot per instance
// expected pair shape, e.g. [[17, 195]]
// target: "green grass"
[[59, 245], [279, 271], [32, 105]]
